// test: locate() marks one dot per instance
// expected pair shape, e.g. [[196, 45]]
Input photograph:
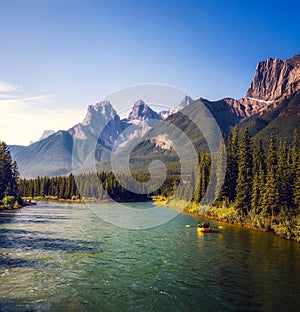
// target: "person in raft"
[[204, 224]]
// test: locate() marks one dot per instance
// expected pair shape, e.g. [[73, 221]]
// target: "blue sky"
[[59, 56]]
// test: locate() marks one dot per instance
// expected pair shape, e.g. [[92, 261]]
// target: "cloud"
[[23, 100], [7, 87], [24, 119], [25, 122]]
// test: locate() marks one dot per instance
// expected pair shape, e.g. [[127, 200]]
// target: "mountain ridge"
[[272, 95], [274, 80], [141, 111]]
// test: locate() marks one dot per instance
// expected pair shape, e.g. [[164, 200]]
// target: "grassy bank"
[[282, 225]]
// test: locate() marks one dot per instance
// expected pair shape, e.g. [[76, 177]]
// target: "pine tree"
[[14, 181], [294, 177], [257, 190], [270, 201], [205, 172], [198, 189], [8, 173], [221, 171], [245, 178], [225, 189], [295, 153], [296, 190], [37, 185], [258, 177], [234, 164], [259, 159], [284, 181]]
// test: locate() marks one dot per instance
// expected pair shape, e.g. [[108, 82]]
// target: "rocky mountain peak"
[[141, 111], [96, 113], [294, 61], [187, 100], [275, 79], [98, 116]]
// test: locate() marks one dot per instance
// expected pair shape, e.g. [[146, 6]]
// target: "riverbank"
[[31, 201], [54, 198], [14, 207], [287, 227], [17, 205]]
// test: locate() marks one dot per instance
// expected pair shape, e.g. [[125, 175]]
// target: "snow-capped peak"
[[187, 100]]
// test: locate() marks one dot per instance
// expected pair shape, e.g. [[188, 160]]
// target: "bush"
[[9, 201]]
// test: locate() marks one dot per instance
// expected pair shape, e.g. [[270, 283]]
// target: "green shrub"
[[9, 201]]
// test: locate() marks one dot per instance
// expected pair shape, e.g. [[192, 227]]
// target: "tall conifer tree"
[[245, 178]]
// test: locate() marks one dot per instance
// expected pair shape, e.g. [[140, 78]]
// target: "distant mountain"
[[161, 141], [187, 100], [101, 123], [50, 156], [141, 111], [92, 139], [15, 149], [271, 104], [46, 134], [61, 152]]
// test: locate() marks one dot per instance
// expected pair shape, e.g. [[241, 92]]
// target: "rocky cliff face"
[[101, 119], [103, 122], [142, 111], [274, 78], [273, 81]]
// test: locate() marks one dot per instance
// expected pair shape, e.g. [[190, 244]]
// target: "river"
[[63, 257]]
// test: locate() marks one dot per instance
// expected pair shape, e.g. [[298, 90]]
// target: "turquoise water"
[[63, 257]]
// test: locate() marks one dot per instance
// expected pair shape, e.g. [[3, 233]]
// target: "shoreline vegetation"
[[279, 226], [53, 198]]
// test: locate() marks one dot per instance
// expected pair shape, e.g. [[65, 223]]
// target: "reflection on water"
[[65, 258]]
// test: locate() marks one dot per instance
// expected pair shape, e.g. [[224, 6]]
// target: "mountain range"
[[271, 104]]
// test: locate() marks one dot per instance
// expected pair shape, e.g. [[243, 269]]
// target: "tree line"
[[89, 186], [9, 175]]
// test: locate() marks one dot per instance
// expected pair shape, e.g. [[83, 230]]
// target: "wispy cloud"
[[7, 87], [8, 96], [23, 119], [23, 100]]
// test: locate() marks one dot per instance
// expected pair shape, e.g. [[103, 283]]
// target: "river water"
[[63, 257]]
